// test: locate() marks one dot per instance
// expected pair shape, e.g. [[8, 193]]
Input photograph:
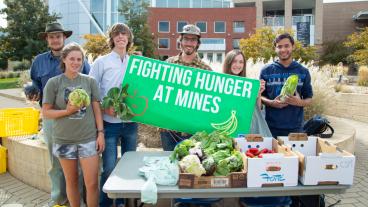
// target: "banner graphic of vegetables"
[[229, 126], [289, 87], [139, 103]]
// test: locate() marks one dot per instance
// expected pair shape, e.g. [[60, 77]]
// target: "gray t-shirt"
[[79, 127]]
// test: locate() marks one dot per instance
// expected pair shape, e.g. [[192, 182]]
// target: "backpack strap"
[[329, 135]]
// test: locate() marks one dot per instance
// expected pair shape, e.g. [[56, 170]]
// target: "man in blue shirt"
[[44, 67], [288, 116]]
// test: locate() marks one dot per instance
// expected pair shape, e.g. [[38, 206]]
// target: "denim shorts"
[[74, 151]]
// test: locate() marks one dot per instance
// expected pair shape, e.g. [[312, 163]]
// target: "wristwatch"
[[101, 131]]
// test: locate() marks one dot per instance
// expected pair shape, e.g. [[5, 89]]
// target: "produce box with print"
[[319, 161], [209, 161], [268, 163]]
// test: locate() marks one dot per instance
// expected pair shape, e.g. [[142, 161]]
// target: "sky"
[[2, 17], [3, 22]]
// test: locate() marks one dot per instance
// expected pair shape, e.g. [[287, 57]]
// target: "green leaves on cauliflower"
[[79, 98], [182, 149], [233, 163]]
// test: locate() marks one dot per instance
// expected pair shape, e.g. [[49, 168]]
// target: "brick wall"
[[210, 15]]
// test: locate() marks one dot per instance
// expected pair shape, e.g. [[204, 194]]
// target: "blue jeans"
[[169, 139], [58, 188], [127, 134]]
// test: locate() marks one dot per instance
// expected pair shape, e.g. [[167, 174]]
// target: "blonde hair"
[[115, 30], [229, 58], [73, 46]]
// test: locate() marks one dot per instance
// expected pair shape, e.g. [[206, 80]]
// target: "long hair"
[[115, 30], [73, 46], [229, 58]]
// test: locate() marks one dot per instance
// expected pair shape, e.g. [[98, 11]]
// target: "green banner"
[[187, 99]]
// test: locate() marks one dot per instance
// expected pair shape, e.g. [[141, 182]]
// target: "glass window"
[[219, 27], [161, 3], [206, 3], [163, 26], [173, 4], [184, 4], [236, 43], [238, 27], [197, 4], [210, 57], [217, 3], [226, 4], [180, 25], [200, 55], [219, 57], [202, 26], [163, 43], [213, 41]]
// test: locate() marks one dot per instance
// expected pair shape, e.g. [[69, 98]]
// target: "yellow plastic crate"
[[2, 159], [18, 121]]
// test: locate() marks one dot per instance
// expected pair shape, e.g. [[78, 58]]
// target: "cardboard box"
[[319, 161], [233, 180], [277, 169]]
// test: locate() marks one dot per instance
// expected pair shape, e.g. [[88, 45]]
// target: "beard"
[[189, 52], [56, 49]]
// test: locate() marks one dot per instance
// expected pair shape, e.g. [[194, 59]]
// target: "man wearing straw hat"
[[44, 67]]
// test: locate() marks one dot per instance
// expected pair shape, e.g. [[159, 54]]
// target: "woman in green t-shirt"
[[77, 125]]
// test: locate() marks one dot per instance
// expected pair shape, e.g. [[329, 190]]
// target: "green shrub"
[[22, 66], [334, 52], [24, 78]]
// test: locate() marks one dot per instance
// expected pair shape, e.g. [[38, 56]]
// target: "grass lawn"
[[8, 83]]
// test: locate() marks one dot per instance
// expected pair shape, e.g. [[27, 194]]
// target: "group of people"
[[75, 136]]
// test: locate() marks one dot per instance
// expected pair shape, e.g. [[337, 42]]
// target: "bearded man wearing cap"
[[44, 67], [189, 40], [109, 71]]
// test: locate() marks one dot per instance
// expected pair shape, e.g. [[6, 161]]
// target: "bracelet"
[[101, 131]]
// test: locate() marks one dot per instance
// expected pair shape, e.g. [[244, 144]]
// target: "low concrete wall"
[[28, 161], [349, 105], [344, 136]]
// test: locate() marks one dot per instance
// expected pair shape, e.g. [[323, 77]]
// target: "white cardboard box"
[[278, 169], [320, 162]]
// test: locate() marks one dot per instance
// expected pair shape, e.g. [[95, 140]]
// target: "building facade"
[[305, 17], [352, 17], [86, 16], [220, 33]]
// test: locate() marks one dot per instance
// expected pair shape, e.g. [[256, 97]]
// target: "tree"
[[95, 45], [359, 42], [136, 14], [335, 52], [259, 47], [25, 20]]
